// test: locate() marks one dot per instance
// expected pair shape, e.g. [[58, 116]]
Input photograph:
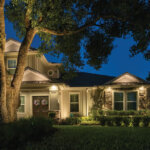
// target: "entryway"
[[40, 106]]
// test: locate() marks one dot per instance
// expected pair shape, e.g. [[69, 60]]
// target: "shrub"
[[124, 121], [128, 121], [97, 112], [23, 131], [52, 115], [71, 121]]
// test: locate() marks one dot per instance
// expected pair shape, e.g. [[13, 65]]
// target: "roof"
[[32, 75], [84, 79], [126, 79], [19, 43]]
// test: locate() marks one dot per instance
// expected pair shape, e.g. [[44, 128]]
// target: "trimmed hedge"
[[95, 113], [120, 121]]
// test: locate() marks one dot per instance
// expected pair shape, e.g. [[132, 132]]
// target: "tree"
[[62, 26]]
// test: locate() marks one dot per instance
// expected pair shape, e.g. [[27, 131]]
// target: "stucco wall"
[[65, 102]]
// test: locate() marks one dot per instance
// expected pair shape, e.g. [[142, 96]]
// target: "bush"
[[128, 121], [23, 131], [52, 115], [95, 113], [123, 121], [71, 121]]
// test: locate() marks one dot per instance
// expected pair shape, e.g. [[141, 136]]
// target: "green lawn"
[[96, 138]]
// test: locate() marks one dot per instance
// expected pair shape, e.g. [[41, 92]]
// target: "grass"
[[95, 138]]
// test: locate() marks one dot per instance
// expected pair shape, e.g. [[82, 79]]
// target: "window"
[[118, 101], [125, 100], [22, 104], [131, 100], [50, 73], [74, 102], [12, 63]]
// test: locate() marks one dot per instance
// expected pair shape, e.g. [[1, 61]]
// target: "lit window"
[[22, 104], [74, 103], [12, 63], [131, 100], [118, 101]]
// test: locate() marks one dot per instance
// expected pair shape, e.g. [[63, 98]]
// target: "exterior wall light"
[[141, 88], [108, 89], [53, 88], [142, 91]]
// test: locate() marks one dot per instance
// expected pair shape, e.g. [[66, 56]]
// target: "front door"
[[40, 106]]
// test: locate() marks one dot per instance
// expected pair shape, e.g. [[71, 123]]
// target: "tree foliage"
[[62, 25]]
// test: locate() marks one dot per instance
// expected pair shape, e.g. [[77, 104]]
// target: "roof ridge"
[[97, 74]]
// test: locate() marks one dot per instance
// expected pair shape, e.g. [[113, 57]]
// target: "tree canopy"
[[65, 26]]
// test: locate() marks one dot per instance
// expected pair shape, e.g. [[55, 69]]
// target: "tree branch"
[[52, 32], [93, 23], [22, 56]]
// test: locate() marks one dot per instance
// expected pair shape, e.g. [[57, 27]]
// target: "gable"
[[31, 75], [12, 46], [126, 78]]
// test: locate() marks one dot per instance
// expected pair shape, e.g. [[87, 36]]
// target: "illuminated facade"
[[42, 90]]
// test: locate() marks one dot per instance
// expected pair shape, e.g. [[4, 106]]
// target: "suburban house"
[[43, 91]]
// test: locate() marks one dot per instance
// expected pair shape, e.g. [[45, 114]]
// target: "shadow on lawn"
[[18, 134]]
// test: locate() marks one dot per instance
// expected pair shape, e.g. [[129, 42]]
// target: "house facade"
[[42, 90]]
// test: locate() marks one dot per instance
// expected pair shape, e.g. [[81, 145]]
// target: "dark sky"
[[118, 62]]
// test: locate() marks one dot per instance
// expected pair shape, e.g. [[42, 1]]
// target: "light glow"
[[108, 89], [141, 88], [53, 88]]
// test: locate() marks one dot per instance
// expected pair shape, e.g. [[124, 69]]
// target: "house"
[[43, 91]]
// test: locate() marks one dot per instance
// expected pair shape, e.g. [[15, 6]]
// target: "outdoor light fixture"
[[54, 88], [108, 89], [141, 88]]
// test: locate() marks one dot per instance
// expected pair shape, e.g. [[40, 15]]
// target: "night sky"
[[118, 63]]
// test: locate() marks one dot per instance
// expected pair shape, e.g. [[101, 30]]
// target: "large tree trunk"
[[13, 87], [3, 106], [10, 88]]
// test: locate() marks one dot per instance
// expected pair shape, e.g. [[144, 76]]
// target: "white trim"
[[11, 59], [31, 101], [71, 93], [25, 105]]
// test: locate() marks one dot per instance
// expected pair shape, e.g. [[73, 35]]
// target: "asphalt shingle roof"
[[88, 79]]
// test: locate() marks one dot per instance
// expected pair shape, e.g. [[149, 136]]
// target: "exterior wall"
[[65, 101], [143, 97], [108, 100], [85, 100], [36, 63]]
